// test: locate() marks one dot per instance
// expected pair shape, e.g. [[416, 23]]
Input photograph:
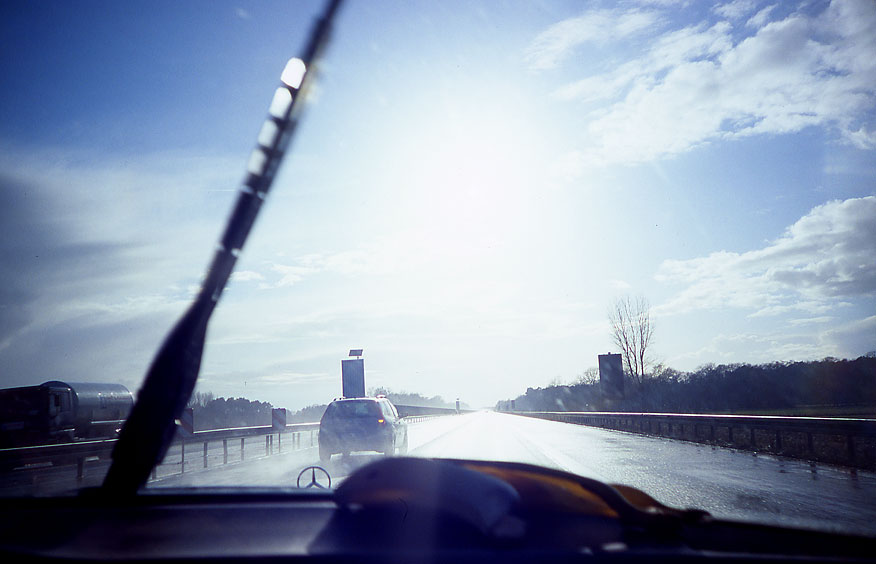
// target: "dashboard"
[[402, 510]]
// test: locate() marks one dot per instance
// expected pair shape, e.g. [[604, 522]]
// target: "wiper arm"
[[168, 385]]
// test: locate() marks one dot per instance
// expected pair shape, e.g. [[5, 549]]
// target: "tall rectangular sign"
[[611, 375], [353, 377]]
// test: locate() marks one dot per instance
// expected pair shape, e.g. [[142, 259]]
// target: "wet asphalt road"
[[727, 483]]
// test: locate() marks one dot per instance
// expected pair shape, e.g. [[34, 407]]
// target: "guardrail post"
[[182, 457], [266, 445], [224, 451], [778, 442], [187, 422], [205, 454], [280, 443], [80, 468], [241, 447]]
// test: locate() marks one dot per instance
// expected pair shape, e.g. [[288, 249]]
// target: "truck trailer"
[[58, 412]]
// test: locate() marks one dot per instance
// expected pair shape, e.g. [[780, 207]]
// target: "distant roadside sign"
[[611, 375], [353, 378]]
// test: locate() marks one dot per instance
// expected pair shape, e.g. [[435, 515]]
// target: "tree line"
[[210, 412], [220, 413], [822, 387], [410, 398]]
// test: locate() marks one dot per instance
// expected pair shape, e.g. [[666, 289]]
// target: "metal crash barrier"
[[843, 441], [205, 449], [191, 450]]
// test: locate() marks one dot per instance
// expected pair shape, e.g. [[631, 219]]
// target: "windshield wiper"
[[168, 385]]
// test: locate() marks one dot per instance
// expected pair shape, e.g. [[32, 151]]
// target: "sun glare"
[[465, 183]]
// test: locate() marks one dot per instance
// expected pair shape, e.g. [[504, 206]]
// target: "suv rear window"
[[354, 408]]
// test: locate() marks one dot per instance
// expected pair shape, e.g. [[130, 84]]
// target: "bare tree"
[[200, 399], [589, 376], [632, 330]]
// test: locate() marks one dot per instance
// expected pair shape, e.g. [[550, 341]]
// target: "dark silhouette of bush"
[[221, 413]]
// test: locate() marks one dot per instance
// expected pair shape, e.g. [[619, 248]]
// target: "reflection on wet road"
[[727, 483]]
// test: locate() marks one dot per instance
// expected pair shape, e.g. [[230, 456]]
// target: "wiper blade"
[[168, 385]]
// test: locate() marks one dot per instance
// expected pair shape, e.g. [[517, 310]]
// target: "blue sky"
[[473, 185]]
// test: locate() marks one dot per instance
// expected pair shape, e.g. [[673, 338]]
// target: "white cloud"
[[761, 18], [809, 307], [704, 83], [862, 139], [854, 338], [788, 343], [811, 320], [293, 378], [246, 276], [93, 256], [557, 42], [826, 255], [661, 2], [289, 275], [147, 200], [736, 9]]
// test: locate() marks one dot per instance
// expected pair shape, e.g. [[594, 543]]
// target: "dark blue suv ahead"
[[361, 424]]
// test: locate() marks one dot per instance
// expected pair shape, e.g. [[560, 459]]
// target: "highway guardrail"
[[834, 440], [79, 452], [278, 438]]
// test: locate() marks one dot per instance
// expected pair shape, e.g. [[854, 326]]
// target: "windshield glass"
[[518, 214]]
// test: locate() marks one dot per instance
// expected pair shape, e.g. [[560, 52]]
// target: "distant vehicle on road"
[[361, 424], [56, 412]]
